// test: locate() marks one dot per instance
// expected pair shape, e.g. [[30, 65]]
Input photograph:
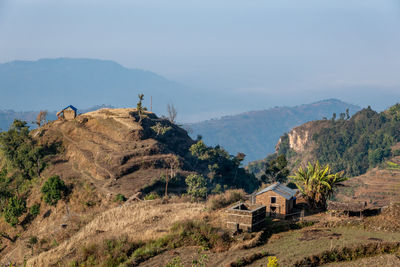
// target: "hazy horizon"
[[257, 54]]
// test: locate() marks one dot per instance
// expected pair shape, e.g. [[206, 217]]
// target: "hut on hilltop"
[[67, 113]]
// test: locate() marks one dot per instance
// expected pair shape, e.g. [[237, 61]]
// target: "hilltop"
[[8, 116], [112, 150], [256, 133]]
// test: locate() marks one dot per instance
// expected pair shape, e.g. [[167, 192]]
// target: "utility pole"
[[151, 103]]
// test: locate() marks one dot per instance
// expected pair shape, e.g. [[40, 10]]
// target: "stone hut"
[[278, 199], [68, 113], [246, 217]]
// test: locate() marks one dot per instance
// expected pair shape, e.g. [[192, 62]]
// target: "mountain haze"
[[54, 83], [256, 133]]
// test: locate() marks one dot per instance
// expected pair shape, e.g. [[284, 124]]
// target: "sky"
[[269, 53]]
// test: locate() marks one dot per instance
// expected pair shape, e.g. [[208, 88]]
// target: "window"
[[273, 200]]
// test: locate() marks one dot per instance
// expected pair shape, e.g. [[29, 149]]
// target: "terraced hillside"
[[379, 186], [112, 150]]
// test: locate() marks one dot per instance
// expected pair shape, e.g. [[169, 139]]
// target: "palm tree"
[[317, 183]]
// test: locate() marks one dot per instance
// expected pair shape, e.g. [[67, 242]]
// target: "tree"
[[276, 170], [333, 117], [172, 113], [347, 114], [173, 163], [159, 129], [21, 150], [15, 207], [41, 118], [197, 186], [140, 107], [53, 190], [317, 183], [223, 168]]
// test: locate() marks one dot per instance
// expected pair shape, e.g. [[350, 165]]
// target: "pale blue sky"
[[266, 50]]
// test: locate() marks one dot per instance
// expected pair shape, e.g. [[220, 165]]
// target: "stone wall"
[[249, 220]]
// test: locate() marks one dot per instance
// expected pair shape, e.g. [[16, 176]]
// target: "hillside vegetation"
[[256, 133], [58, 178], [353, 145]]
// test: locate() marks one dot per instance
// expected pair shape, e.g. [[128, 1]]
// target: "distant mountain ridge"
[[256, 133], [53, 83]]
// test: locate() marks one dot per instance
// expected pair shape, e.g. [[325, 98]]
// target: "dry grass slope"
[[141, 221]]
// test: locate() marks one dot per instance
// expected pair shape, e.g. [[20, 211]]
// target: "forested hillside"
[[353, 145], [256, 133]]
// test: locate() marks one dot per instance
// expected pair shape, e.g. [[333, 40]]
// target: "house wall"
[[248, 221], [282, 205], [69, 114]]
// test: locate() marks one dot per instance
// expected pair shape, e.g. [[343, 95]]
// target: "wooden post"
[[166, 183]]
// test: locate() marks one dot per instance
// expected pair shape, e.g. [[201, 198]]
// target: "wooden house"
[[68, 113], [246, 217], [278, 199]]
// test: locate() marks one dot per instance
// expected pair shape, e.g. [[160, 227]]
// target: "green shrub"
[[23, 152], [53, 190], [15, 207], [197, 186], [175, 262], [120, 198], [151, 196], [34, 210]]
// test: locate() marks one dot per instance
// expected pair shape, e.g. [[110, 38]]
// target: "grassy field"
[[294, 245], [377, 261]]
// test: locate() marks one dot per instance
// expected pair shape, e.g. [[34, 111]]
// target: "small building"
[[246, 217], [68, 113], [278, 199]]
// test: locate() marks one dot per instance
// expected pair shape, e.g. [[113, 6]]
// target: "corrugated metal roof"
[[71, 107], [280, 189]]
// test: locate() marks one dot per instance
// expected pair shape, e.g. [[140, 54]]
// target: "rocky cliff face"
[[298, 139]]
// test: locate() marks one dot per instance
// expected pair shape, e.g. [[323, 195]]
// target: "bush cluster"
[[223, 168], [225, 199], [53, 190]]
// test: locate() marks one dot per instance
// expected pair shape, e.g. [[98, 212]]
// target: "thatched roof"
[[347, 206]]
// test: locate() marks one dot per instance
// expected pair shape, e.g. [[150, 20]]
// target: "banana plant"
[[317, 183]]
